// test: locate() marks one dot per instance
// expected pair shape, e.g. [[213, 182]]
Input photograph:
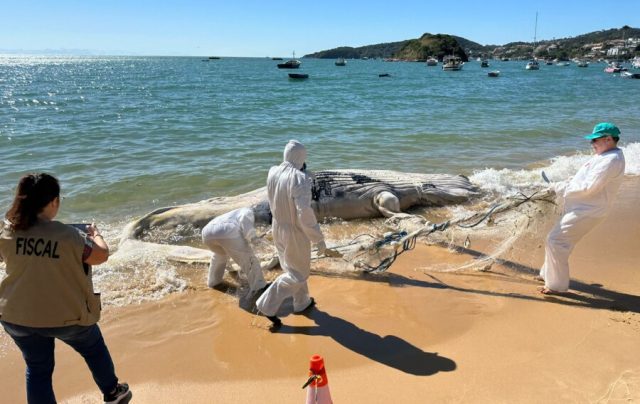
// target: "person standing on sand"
[[48, 292], [294, 229], [588, 196], [230, 235]]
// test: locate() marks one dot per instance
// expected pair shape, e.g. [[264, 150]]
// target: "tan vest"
[[46, 284]]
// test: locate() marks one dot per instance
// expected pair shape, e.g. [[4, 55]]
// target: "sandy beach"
[[412, 335]]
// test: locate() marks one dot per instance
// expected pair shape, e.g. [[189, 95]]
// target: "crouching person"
[[229, 236]]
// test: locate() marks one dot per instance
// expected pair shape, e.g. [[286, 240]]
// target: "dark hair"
[[34, 193]]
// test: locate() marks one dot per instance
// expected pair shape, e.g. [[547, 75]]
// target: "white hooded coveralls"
[[294, 229], [227, 236], [588, 196]]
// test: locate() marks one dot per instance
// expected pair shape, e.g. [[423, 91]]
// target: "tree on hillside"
[[439, 45]]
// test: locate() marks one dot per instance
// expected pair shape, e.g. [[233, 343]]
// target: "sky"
[[277, 28]]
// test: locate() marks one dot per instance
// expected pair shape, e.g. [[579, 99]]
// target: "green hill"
[[440, 45]]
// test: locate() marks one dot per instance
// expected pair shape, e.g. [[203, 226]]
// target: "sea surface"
[[127, 135]]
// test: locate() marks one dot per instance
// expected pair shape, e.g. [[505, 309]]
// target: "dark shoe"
[[121, 395], [221, 287], [275, 320], [311, 304], [276, 323]]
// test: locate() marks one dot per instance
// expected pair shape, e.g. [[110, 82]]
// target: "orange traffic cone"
[[318, 391]]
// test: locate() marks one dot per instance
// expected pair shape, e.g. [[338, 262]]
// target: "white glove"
[[559, 188], [321, 247]]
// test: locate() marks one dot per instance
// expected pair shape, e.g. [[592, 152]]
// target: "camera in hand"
[[83, 227]]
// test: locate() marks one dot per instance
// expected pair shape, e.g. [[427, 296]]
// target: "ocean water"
[[126, 135]]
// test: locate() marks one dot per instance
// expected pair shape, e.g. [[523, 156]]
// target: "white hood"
[[295, 153]]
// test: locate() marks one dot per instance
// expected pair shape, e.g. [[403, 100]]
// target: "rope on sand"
[[403, 241]]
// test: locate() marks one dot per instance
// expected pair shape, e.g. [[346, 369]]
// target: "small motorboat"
[[629, 75], [298, 76], [614, 68], [532, 65], [290, 64], [452, 63], [384, 75], [341, 62], [494, 73], [432, 61], [484, 63], [582, 63]]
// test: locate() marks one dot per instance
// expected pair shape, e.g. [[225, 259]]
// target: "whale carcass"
[[346, 194]]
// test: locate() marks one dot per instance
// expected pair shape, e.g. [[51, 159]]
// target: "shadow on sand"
[[388, 350], [583, 294]]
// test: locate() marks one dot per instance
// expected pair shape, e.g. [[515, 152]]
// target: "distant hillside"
[[383, 50], [438, 45], [618, 43], [600, 36], [473, 48], [592, 45]]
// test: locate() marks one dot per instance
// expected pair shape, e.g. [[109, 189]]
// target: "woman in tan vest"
[[48, 291]]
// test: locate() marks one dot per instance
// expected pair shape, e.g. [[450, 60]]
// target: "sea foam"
[[508, 182]]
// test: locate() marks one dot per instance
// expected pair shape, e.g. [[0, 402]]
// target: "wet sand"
[[413, 335]]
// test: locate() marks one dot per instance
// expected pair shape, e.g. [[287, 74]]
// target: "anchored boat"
[[298, 76], [290, 64], [452, 63]]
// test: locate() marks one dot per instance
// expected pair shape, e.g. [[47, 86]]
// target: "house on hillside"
[[617, 51], [632, 42]]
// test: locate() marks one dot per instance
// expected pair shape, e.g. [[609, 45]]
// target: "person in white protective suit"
[[588, 196], [230, 235], [294, 229]]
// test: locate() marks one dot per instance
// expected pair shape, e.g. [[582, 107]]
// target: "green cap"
[[603, 129]]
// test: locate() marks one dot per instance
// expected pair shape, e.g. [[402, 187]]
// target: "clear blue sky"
[[276, 28]]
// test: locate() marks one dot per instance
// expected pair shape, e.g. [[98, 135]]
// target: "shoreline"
[[417, 331]]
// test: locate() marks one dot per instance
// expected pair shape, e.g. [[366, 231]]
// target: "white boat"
[[452, 63], [582, 63], [484, 63], [533, 63], [635, 63], [341, 62], [431, 61], [629, 75]]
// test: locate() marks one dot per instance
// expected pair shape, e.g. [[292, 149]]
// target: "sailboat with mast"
[[533, 63], [291, 63]]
